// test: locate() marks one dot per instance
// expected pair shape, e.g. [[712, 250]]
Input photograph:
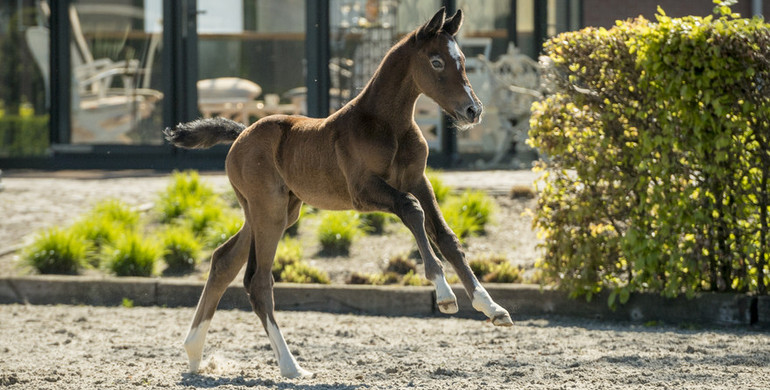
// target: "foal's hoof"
[[503, 319], [298, 373], [448, 306]]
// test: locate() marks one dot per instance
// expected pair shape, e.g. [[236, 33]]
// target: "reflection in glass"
[[250, 57], [23, 89], [114, 49]]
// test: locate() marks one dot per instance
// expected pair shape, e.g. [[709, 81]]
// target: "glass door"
[[115, 49], [251, 58]]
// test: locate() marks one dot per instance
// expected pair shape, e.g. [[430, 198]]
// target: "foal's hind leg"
[[226, 261], [271, 217]]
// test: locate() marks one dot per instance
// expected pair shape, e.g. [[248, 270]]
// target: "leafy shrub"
[[57, 251], [132, 255], [469, 213], [185, 192], [337, 231], [181, 249], [657, 137]]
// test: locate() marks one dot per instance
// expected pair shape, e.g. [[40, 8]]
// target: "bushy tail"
[[204, 133]]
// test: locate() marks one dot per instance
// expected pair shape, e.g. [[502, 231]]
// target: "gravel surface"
[[77, 347]]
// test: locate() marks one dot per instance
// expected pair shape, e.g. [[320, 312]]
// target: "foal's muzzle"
[[470, 114]]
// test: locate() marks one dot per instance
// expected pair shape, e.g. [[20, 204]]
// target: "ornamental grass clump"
[[104, 223], [288, 266], [185, 192], [337, 231], [469, 213], [440, 190], [132, 255], [495, 269], [181, 249], [58, 251], [219, 231]]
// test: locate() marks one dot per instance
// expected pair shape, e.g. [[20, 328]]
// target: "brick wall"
[[604, 13]]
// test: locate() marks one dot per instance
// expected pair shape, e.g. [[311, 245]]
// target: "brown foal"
[[368, 156]]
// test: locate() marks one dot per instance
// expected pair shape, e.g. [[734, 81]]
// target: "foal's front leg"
[[376, 195], [447, 242]]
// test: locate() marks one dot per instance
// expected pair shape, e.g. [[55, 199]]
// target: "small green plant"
[[289, 252], [132, 255], [185, 192], [401, 265], [224, 228], [204, 216], [504, 273], [440, 190], [127, 303], [486, 264], [337, 231], [116, 211], [301, 272], [99, 232], [359, 278], [469, 213], [522, 192], [412, 278], [373, 223], [181, 249], [58, 251]]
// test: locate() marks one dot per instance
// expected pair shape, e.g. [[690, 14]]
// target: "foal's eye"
[[437, 64]]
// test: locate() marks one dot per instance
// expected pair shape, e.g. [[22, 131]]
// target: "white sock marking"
[[286, 362], [484, 303], [445, 298], [193, 344]]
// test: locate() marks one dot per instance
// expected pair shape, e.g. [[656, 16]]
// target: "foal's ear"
[[452, 25], [431, 29]]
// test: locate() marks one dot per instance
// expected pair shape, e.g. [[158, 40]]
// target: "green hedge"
[[23, 136], [658, 137]]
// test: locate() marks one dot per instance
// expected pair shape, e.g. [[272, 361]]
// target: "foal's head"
[[439, 69]]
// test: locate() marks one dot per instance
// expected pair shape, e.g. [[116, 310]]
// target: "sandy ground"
[[76, 347]]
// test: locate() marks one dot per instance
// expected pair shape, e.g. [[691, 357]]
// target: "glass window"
[[116, 96], [23, 80], [251, 58]]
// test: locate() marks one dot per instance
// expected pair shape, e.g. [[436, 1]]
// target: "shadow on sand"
[[205, 381]]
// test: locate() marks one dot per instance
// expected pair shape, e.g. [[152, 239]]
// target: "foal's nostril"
[[473, 112]]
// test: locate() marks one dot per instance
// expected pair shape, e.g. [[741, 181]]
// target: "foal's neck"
[[391, 93]]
